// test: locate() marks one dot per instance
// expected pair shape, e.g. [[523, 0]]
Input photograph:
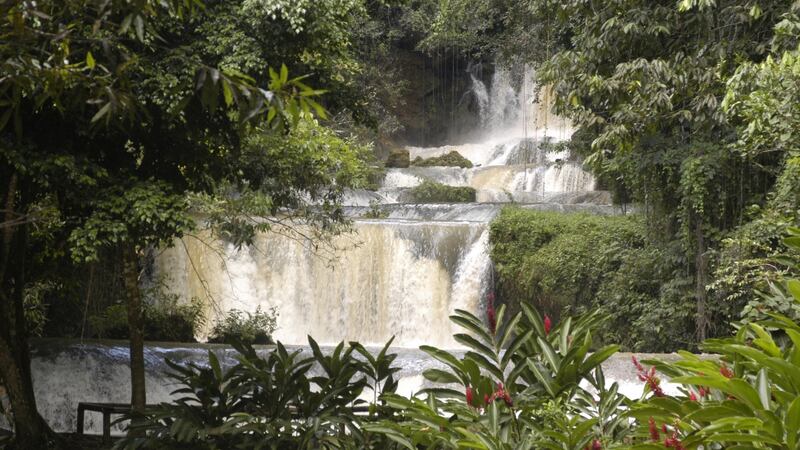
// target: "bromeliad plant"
[[522, 384]]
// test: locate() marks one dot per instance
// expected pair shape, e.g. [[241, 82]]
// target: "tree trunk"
[[701, 280], [130, 274], [31, 431]]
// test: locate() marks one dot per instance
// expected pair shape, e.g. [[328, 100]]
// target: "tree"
[[644, 83], [135, 119]]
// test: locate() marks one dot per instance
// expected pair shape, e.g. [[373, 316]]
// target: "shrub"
[[375, 211], [432, 192], [522, 384], [245, 327], [278, 401], [398, 158], [452, 159], [166, 319]]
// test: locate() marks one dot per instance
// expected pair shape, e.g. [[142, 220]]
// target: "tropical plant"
[[279, 400], [746, 396], [433, 192], [522, 383], [246, 327]]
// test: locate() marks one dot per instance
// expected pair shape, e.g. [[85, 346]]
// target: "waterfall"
[[403, 274], [393, 278], [481, 96]]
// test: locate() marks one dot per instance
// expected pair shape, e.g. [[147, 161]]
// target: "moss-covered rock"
[[398, 158], [452, 159], [432, 192]]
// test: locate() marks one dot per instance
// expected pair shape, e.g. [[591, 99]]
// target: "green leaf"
[[764, 388], [598, 357], [793, 286], [102, 112], [90, 63], [446, 358], [284, 74], [440, 376]]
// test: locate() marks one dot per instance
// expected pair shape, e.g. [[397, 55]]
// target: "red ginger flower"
[[500, 393], [654, 431], [649, 377], [470, 396], [548, 324], [692, 397], [725, 371], [596, 445]]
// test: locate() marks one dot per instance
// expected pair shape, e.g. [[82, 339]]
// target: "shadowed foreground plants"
[[285, 400]]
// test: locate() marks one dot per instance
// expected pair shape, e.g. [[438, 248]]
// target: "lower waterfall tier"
[[391, 278]]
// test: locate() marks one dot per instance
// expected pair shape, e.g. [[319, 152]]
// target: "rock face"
[[398, 159]]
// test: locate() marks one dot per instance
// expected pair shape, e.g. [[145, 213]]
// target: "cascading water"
[[393, 278]]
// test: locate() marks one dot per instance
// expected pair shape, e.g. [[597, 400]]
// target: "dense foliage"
[[151, 109], [688, 109], [451, 159], [245, 327], [585, 262], [674, 102], [433, 192], [165, 320], [283, 400]]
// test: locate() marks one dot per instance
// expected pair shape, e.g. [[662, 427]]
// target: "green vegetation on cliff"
[[588, 262], [451, 159], [432, 192]]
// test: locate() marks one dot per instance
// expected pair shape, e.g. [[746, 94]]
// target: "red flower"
[[596, 445], [649, 378], [500, 393], [654, 431], [725, 371], [548, 324], [470, 397], [692, 397]]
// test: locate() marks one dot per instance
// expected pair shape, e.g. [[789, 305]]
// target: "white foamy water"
[[390, 278]]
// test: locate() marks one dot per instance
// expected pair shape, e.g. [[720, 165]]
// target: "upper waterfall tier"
[[519, 170]]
